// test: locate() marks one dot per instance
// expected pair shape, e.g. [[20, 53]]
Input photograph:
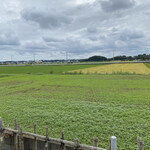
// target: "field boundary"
[[16, 139], [72, 64]]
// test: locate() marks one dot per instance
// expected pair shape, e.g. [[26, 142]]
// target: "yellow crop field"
[[131, 68]]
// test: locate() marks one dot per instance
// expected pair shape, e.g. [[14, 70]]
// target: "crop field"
[[134, 68], [148, 65], [83, 106], [45, 69]]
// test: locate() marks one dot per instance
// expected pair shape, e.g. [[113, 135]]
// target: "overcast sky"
[[50, 28]]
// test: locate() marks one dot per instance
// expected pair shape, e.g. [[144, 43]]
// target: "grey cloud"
[[78, 45], [114, 29], [35, 45], [92, 30], [93, 38], [46, 20], [131, 34], [115, 5], [89, 28], [8, 39], [52, 39]]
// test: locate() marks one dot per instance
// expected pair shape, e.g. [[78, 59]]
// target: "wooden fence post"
[[15, 135], [113, 143], [2, 146], [76, 144], [62, 146], [140, 144], [62, 135], [15, 124], [1, 124], [95, 141], [35, 132], [46, 144], [21, 139], [109, 143], [0, 133]]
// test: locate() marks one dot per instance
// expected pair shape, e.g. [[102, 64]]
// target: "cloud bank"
[[83, 28]]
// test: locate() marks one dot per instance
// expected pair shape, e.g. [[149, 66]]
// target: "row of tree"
[[142, 57]]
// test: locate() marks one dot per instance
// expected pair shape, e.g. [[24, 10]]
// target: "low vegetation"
[[83, 106], [148, 65], [45, 69]]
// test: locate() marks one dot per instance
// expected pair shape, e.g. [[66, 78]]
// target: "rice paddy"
[[129, 68], [41, 69]]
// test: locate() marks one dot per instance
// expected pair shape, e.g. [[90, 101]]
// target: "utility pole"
[[66, 56], [11, 57], [113, 54], [34, 57]]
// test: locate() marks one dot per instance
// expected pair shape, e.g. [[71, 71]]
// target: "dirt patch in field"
[[25, 91], [62, 86], [10, 83], [13, 84], [137, 89]]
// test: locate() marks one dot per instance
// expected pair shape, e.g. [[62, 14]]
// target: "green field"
[[83, 106], [43, 69], [148, 65]]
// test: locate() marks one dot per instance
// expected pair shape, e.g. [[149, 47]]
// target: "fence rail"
[[16, 139]]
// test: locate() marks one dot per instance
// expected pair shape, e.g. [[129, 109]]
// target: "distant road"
[[85, 63]]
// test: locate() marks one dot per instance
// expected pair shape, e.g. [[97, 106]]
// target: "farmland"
[[148, 65], [128, 68], [83, 106], [45, 69]]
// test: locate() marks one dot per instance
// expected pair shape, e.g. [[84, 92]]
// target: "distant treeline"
[[142, 57]]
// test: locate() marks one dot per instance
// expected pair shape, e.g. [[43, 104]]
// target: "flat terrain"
[[83, 106], [45, 69], [148, 65], [129, 68]]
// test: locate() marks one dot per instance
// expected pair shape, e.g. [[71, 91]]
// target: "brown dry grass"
[[137, 68]]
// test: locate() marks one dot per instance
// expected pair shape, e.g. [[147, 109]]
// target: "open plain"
[[83, 106]]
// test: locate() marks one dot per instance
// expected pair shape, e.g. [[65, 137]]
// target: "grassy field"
[[134, 68], [46, 69], [83, 106], [148, 65]]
